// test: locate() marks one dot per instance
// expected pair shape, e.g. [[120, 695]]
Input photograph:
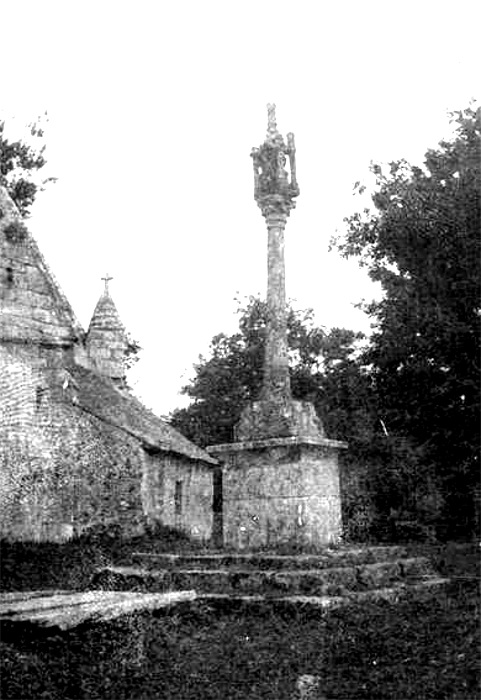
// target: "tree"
[[326, 369], [322, 367], [19, 164], [131, 352], [422, 243]]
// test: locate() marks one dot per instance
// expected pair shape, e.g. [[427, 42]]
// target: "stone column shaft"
[[276, 382], [276, 414]]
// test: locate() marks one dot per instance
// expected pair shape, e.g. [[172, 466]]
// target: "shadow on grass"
[[414, 650], [411, 651], [70, 565]]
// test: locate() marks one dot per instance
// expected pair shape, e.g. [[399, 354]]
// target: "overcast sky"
[[153, 110]]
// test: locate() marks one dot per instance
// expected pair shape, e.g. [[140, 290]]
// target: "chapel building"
[[77, 449]]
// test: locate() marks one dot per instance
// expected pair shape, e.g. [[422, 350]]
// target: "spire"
[[106, 339]]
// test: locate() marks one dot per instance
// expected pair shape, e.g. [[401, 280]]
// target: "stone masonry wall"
[[23, 448], [62, 470], [281, 495], [98, 469], [178, 493]]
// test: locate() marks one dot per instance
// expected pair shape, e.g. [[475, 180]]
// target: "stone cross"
[[275, 197], [271, 119], [275, 414], [106, 279]]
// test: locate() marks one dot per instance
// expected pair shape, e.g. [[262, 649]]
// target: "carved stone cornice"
[[275, 206]]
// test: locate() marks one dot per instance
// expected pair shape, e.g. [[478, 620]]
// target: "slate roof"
[[101, 398]]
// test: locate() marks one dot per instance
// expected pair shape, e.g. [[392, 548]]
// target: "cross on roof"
[[271, 118], [107, 279]]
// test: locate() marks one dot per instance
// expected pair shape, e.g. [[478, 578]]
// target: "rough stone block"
[[280, 491], [416, 567], [378, 575], [273, 419]]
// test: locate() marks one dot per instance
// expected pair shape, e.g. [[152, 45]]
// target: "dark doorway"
[[217, 504]]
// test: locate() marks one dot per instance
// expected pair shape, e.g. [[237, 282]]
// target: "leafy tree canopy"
[[20, 163], [408, 401], [232, 375], [422, 243]]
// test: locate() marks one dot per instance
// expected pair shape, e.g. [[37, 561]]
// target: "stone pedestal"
[[278, 417], [283, 490]]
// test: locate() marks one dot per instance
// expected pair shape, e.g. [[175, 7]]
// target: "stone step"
[[223, 602], [332, 581], [343, 556]]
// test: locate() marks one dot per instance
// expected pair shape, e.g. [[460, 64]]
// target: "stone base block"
[[278, 418], [280, 491]]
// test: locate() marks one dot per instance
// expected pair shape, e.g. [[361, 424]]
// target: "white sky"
[[154, 107]]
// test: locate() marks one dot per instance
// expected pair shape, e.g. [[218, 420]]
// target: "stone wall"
[[62, 470], [281, 494], [22, 447], [178, 493], [99, 471]]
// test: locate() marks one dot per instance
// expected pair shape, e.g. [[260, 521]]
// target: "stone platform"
[[280, 490], [334, 576]]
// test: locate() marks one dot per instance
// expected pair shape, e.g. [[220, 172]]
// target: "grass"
[[70, 565], [414, 650]]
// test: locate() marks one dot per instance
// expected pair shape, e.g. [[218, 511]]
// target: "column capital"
[[275, 207]]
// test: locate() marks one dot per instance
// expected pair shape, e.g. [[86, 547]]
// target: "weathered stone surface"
[[280, 491], [378, 575], [275, 492], [77, 450], [416, 567], [70, 609], [276, 415], [246, 575], [129, 578], [271, 418], [69, 464], [276, 383], [163, 474], [106, 340], [308, 687], [339, 557]]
